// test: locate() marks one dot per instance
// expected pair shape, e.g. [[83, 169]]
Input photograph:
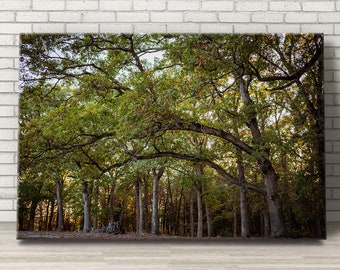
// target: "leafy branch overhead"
[[106, 112]]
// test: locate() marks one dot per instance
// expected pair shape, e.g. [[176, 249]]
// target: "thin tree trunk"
[[32, 215], [146, 206], [139, 201], [199, 215], [60, 216], [96, 199], [46, 216], [86, 206], [155, 219], [112, 192], [192, 232], [49, 227], [235, 224], [209, 219]]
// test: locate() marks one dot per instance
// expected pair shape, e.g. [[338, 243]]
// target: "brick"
[[166, 17], [6, 134], [317, 28], [132, 17], [64, 16], [123, 5], [332, 64], [115, 28], [337, 99], [328, 193], [336, 124], [337, 29], [183, 5], [331, 87], [8, 122], [332, 134], [336, 76], [332, 40], [149, 28], [8, 216], [149, 5], [267, 17], [298, 17], [250, 28], [180, 28], [333, 205], [82, 5], [6, 204], [318, 6], [6, 62], [329, 99], [6, 16], [99, 17], [333, 158], [251, 6], [328, 147], [334, 181], [6, 39], [9, 51], [200, 17], [337, 5], [7, 169], [8, 98], [336, 146], [329, 17], [6, 181], [284, 6], [329, 76], [332, 111], [217, 5], [283, 28], [82, 27], [9, 74], [6, 157], [8, 28], [329, 123], [49, 28], [216, 28], [8, 146], [336, 195], [234, 17], [15, 5], [31, 17], [49, 5], [6, 111], [8, 193]]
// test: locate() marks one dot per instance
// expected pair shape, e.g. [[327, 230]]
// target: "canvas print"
[[171, 136]]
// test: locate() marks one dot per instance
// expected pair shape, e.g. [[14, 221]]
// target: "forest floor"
[[41, 235]]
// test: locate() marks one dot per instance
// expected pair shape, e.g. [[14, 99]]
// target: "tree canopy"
[[224, 133]]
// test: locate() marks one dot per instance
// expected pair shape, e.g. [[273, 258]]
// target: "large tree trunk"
[[270, 178], [86, 206], [60, 216], [277, 225], [155, 219]]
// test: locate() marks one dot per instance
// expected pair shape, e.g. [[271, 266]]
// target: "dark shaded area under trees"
[[184, 135]]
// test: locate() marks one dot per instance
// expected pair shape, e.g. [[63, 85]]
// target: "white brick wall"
[[61, 16]]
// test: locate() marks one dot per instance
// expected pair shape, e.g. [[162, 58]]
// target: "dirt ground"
[[23, 235]]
